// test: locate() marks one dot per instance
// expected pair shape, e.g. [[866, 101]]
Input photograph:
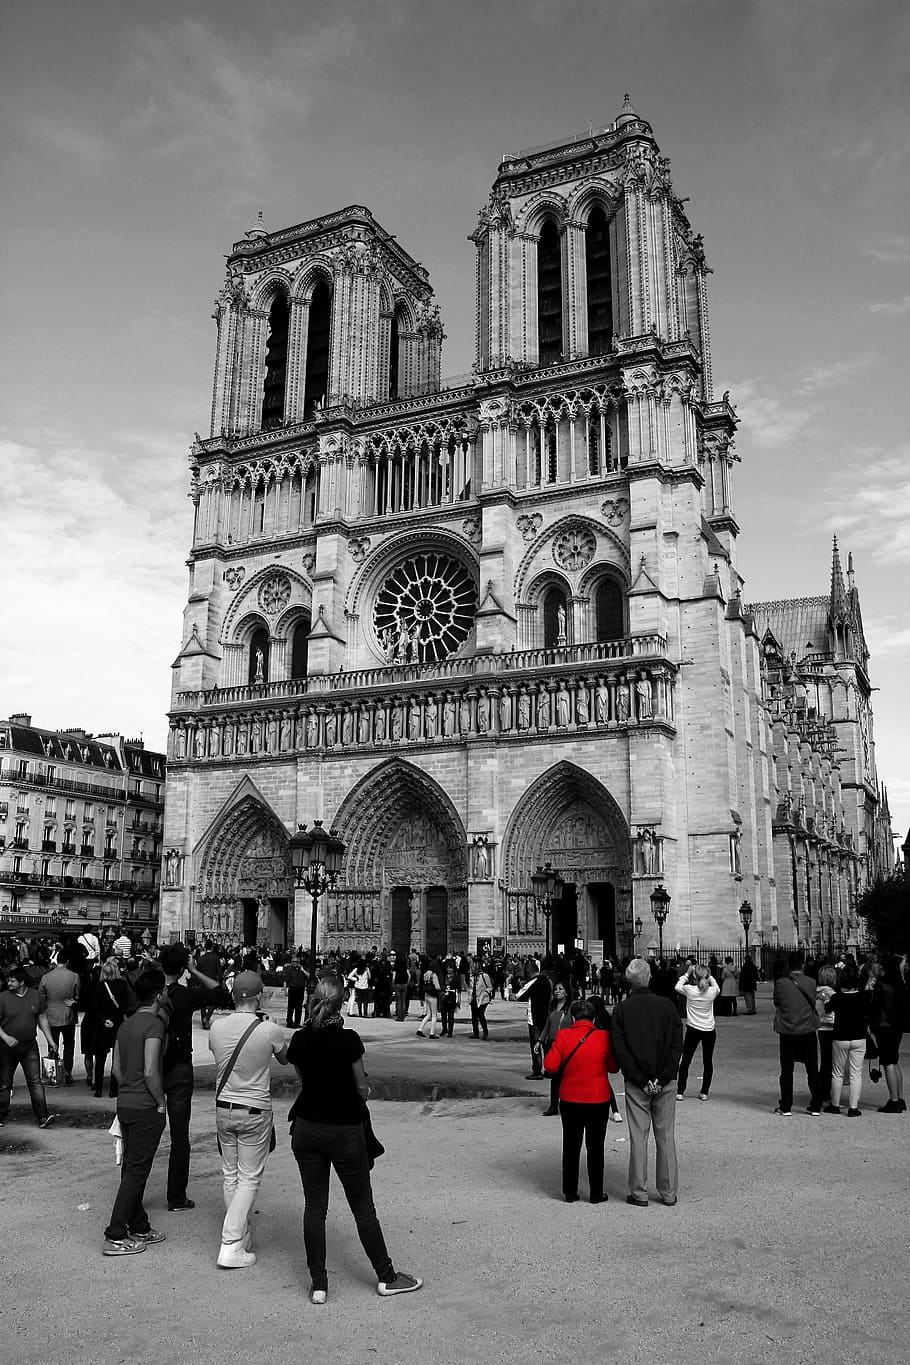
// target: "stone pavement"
[[788, 1243]]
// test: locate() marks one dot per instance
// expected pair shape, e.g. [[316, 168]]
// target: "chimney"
[[21, 718]]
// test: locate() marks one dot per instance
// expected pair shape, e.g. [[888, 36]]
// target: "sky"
[[139, 142]]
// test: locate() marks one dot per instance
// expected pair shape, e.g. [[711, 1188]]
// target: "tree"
[[885, 906]]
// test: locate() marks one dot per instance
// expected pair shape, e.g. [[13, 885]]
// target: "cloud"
[[203, 98], [893, 250], [868, 504], [894, 308], [887, 636], [767, 420], [79, 148], [836, 374]]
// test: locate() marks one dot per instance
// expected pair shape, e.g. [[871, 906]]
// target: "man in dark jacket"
[[537, 992], [796, 1023], [647, 1039], [748, 980]]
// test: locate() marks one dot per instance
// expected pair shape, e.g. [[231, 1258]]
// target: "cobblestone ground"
[[788, 1243]]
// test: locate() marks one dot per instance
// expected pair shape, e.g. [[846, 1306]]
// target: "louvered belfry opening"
[[276, 364], [610, 611], [549, 294], [316, 383], [600, 283], [393, 356]]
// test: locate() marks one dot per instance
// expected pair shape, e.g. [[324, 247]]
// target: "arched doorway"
[[244, 878], [569, 819], [406, 848]]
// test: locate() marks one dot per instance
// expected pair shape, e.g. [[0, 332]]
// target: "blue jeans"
[[142, 1129], [28, 1057], [318, 1147]]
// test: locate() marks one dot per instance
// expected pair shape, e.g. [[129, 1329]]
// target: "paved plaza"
[[788, 1243]]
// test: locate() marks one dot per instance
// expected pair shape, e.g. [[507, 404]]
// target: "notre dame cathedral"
[[487, 624]]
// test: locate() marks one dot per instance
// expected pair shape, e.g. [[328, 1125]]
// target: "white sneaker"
[[617, 1116], [233, 1257]]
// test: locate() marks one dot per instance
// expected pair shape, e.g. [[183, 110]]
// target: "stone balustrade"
[[585, 696]]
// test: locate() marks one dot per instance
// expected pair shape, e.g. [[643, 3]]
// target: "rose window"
[[425, 609]]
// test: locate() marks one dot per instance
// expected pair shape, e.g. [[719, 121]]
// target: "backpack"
[[429, 983]]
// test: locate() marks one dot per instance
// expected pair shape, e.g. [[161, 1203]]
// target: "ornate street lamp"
[[546, 887], [639, 925], [745, 914], [317, 855], [660, 909]]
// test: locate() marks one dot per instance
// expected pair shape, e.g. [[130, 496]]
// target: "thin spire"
[[838, 605]]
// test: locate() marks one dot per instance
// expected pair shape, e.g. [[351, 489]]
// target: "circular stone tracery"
[[425, 609]]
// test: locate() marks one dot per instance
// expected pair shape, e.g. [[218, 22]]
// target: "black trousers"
[[799, 1047], [142, 1129], [479, 1019], [178, 1094], [447, 1013], [588, 1122], [295, 1006], [707, 1038]]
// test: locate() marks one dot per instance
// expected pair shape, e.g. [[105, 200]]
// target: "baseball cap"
[[246, 985]]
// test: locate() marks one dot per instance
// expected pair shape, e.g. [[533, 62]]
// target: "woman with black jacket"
[[850, 1007]]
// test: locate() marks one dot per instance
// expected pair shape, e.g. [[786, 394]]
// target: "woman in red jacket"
[[586, 1054]]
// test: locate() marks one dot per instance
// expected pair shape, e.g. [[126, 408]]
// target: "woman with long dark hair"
[[328, 1133]]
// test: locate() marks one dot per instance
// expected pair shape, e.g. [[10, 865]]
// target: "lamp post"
[[660, 909], [317, 855], [745, 914], [639, 925], [546, 886]]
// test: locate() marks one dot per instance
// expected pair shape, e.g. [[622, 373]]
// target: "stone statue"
[[331, 728], [524, 710], [646, 851], [543, 708], [259, 675], [171, 866], [312, 730], [255, 737], [582, 708], [601, 703], [481, 859], [413, 643], [414, 719], [379, 725], [363, 732], [241, 740], [622, 703], [483, 714], [285, 732], [180, 742], [430, 720], [736, 849], [505, 712], [448, 717], [643, 692], [347, 728], [560, 625], [215, 742], [397, 723], [200, 743], [228, 740], [464, 716], [562, 707]]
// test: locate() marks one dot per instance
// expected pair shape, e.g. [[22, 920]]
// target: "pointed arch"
[[244, 855], [536, 828]]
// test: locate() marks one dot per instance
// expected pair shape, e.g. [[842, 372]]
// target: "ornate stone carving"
[[359, 548], [308, 562], [235, 576], [529, 524], [615, 511], [471, 528], [575, 547], [425, 609], [275, 593]]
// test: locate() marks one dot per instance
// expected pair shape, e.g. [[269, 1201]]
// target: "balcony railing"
[[19, 844], [50, 846], [394, 675], [10, 774]]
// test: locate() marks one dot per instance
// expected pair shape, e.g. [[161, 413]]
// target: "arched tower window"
[[549, 294], [610, 611], [600, 283], [316, 382], [299, 648], [276, 364], [259, 657], [554, 618], [394, 342]]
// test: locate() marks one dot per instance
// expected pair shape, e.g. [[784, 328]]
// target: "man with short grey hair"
[[647, 1039]]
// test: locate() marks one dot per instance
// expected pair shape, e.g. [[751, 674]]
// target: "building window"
[[610, 611], [299, 647], [600, 283], [50, 805], [554, 618], [22, 769], [394, 343], [258, 672], [45, 868], [51, 772], [89, 810], [276, 364], [70, 810], [552, 451], [549, 294], [316, 382]]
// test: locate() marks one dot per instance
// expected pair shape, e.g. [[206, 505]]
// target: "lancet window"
[[316, 382], [258, 669], [549, 294], [567, 438], [300, 648], [276, 364], [430, 470], [555, 619], [609, 609], [600, 283]]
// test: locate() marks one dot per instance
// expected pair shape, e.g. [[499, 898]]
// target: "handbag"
[[273, 1140], [52, 1070], [375, 1148], [562, 1070]]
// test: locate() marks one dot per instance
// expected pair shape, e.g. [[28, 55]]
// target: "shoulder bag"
[[273, 1141], [562, 1070]]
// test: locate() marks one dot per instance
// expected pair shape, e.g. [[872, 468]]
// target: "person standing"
[[20, 1019], [431, 988], [141, 1113], [827, 984], [748, 980], [106, 1007], [700, 990], [243, 1045], [481, 995], [401, 980], [295, 979], [579, 1059], [123, 945], [729, 987], [647, 1039], [58, 994], [886, 1020], [560, 1016], [536, 991], [179, 1006], [327, 1132], [209, 964], [851, 1009], [796, 1023]]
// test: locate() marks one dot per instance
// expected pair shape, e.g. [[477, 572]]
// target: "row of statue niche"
[[406, 720], [216, 917], [400, 643]]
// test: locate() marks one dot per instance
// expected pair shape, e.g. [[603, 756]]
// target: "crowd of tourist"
[[130, 1006]]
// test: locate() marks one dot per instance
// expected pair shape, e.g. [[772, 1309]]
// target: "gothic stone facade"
[[483, 625]]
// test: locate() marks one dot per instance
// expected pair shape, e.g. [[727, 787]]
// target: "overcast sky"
[[139, 141]]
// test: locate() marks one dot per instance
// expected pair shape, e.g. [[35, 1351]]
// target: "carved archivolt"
[[243, 857], [569, 818], [537, 559], [277, 585]]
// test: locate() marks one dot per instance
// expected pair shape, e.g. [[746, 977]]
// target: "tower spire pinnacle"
[[838, 605]]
